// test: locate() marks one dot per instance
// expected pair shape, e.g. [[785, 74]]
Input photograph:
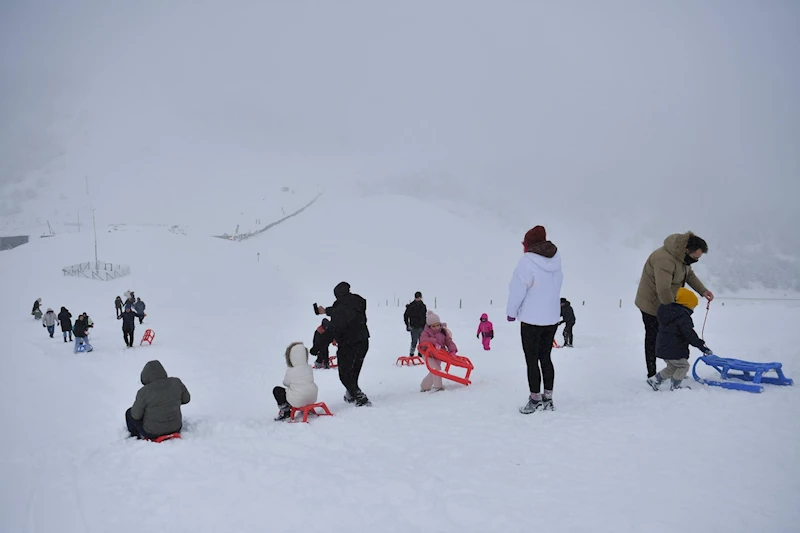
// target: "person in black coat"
[[675, 334], [319, 348], [414, 317], [81, 330], [349, 328], [568, 319], [65, 319], [129, 324], [118, 306]]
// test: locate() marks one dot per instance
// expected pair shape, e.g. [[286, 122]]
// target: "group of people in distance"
[[534, 300]]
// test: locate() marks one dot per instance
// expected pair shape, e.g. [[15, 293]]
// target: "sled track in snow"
[[244, 236]]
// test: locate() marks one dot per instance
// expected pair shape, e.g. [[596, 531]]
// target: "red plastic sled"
[[162, 438], [458, 361], [409, 360], [148, 337], [310, 409]]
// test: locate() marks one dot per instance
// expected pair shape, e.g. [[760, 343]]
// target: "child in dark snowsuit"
[[675, 334], [568, 319], [486, 329], [319, 348], [118, 306]]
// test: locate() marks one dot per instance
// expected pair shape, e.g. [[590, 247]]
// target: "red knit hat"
[[534, 235]]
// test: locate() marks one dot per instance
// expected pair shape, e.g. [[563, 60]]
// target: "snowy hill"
[[608, 459]]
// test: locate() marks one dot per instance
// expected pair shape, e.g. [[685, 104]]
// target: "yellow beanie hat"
[[686, 298]]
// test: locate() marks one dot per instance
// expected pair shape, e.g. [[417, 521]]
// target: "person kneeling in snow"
[[436, 333], [157, 409], [299, 382], [675, 334]]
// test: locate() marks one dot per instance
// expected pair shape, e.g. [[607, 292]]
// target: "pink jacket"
[[439, 338], [485, 327]]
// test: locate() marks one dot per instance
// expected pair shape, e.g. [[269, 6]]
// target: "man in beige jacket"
[[665, 271]]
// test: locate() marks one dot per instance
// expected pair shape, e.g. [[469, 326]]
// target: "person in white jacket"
[[300, 388], [534, 297]]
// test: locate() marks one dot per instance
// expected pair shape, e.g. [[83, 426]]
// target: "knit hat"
[[417, 294], [432, 318], [686, 298], [534, 235]]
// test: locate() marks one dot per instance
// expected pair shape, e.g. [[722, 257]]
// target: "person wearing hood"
[[437, 334], [665, 271], [81, 330], [37, 311], [298, 388], [49, 321], [65, 319], [349, 328], [414, 318], [675, 334], [534, 298], [139, 307], [129, 325], [319, 349], [118, 306], [567, 318], [486, 329], [157, 408]]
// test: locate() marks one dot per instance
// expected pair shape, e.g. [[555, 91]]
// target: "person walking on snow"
[[675, 334], [437, 334], [49, 321], [81, 333], [300, 388], [36, 311], [65, 318], [534, 298], [349, 327], [568, 318], [414, 318], [665, 271], [139, 308], [129, 325], [486, 329], [319, 349], [157, 408], [118, 306]]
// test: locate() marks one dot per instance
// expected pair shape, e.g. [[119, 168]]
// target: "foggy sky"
[[672, 112]]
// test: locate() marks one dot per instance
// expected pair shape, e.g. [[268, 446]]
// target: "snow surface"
[[615, 456]]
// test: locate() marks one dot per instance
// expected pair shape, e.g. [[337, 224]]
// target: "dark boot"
[[285, 412]]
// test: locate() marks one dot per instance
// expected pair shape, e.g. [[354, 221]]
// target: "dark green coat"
[[158, 403]]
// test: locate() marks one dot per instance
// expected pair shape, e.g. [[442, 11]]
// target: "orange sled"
[[458, 361]]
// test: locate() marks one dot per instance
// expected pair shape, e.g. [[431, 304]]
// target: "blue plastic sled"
[[753, 372]]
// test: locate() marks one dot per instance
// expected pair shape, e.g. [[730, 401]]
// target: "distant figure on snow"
[[36, 311], [118, 306], [49, 321], [486, 329], [436, 333], [567, 318], [129, 325], [157, 408], [300, 388], [414, 317], [675, 334], [65, 318], [81, 333], [139, 308], [320, 349]]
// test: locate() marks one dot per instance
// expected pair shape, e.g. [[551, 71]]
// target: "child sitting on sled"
[[300, 388], [319, 348], [675, 334], [486, 329], [437, 334]]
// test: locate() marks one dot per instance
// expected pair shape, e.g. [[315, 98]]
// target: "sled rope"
[[703, 331]]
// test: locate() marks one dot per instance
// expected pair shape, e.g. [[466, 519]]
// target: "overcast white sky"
[[681, 108]]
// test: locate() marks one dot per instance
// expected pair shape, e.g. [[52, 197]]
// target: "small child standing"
[[437, 334], [319, 348], [300, 388], [568, 319], [675, 334], [486, 329]]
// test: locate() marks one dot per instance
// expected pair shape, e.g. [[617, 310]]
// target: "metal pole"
[[95, 241]]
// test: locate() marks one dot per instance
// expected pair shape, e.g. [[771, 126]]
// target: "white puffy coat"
[[299, 379], [534, 293]]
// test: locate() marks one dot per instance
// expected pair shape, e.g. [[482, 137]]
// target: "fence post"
[[490, 303], [620, 303], [434, 302], [258, 257], [459, 303], [583, 303]]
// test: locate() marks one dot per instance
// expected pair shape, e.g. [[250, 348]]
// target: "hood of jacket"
[[548, 264], [152, 371], [484, 316], [675, 245], [296, 355], [543, 248], [667, 314], [49, 310]]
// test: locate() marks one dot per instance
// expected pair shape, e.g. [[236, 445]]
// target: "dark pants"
[[568, 333], [67, 333], [537, 343], [136, 427], [650, 334], [323, 357], [127, 334], [415, 335], [280, 396], [141, 319], [119, 311], [351, 359]]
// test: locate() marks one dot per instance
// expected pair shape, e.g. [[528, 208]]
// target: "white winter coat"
[[49, 318], [534, 293], [299, 379]]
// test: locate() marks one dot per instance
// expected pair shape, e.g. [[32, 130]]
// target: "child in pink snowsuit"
[[486, 329], [436, 333]]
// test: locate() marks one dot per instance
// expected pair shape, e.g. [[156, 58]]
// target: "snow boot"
[[362, 400], [349, 398], [284, 413], [547, 404], [655, 381], [678, 385], [531, 406]]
